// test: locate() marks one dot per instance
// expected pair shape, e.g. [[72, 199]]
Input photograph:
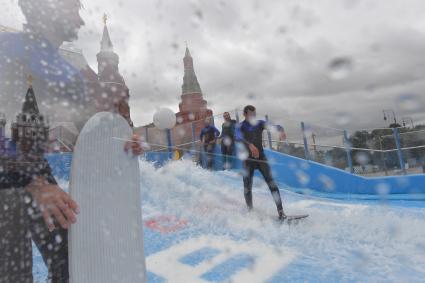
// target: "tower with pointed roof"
[[193, 106], [2, 133], [2, 125], [30, 130], [112, 93]]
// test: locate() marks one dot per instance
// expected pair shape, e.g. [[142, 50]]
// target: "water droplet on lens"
[[198, 14], [164, 118], [362, 158], [58, 239], [343, 119], [250, 96], [340, 68], [409, 102], [382, 189]]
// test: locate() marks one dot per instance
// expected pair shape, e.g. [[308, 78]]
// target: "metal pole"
[[383, 156], [146, 134], [395, 120], [193, 138], [399, 151], [269, 134], [392, 112], [348, 150], [313, 136], [169, 141], [306, 152]]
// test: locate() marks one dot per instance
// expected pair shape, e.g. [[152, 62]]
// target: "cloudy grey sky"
[[274, 54]]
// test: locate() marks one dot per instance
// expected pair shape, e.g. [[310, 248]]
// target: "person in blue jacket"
[[33, 207], [208, 137], [250, 133]]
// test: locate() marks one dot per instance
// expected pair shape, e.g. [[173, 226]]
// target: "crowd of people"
[[248, 133], [209, 137]]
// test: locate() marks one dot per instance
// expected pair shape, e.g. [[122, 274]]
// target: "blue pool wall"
[[296, 174]]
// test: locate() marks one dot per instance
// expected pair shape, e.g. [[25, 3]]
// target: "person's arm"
[[282, 134], [135, 145], [216, 135], [222, 130], [266, 125], [201, 136], [54, 203], [233, 129], [240, 138]]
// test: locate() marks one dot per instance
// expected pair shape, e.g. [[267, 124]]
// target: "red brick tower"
[[193, 107], [2, 133]]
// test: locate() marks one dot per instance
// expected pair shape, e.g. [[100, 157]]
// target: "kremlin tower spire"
[[107, 59], [30, 131], [190, 81], [106, 43], [113, 94], [192, 100], [30, 105], [193, 107]]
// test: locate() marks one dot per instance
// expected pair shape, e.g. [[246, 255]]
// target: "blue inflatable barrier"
[[304, 176], [309, 177], [298, 175]]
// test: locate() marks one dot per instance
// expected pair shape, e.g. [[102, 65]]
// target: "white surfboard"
[[106, 243]]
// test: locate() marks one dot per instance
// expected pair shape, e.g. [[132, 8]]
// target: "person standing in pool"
[[227, 140], [250, 133], [208, 137]]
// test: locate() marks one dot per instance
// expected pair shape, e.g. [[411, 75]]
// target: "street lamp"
[[407, 119], [313, 136], [383, 156], [386, 111]]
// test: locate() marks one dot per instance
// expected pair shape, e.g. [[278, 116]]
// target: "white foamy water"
[[339, 242]]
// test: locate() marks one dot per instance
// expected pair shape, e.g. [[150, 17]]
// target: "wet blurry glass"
[[339, 93]]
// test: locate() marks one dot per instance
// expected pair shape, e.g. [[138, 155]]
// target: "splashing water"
[[341, 241]]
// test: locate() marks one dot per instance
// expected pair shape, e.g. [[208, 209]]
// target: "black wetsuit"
[[253, 134], [209, 135], [227, 140]]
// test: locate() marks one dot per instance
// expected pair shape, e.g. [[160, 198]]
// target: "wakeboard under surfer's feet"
[[291, 219]]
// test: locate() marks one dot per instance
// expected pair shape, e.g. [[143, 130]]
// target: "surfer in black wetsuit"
[[227, 139], [250, 133], [208, 137]]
